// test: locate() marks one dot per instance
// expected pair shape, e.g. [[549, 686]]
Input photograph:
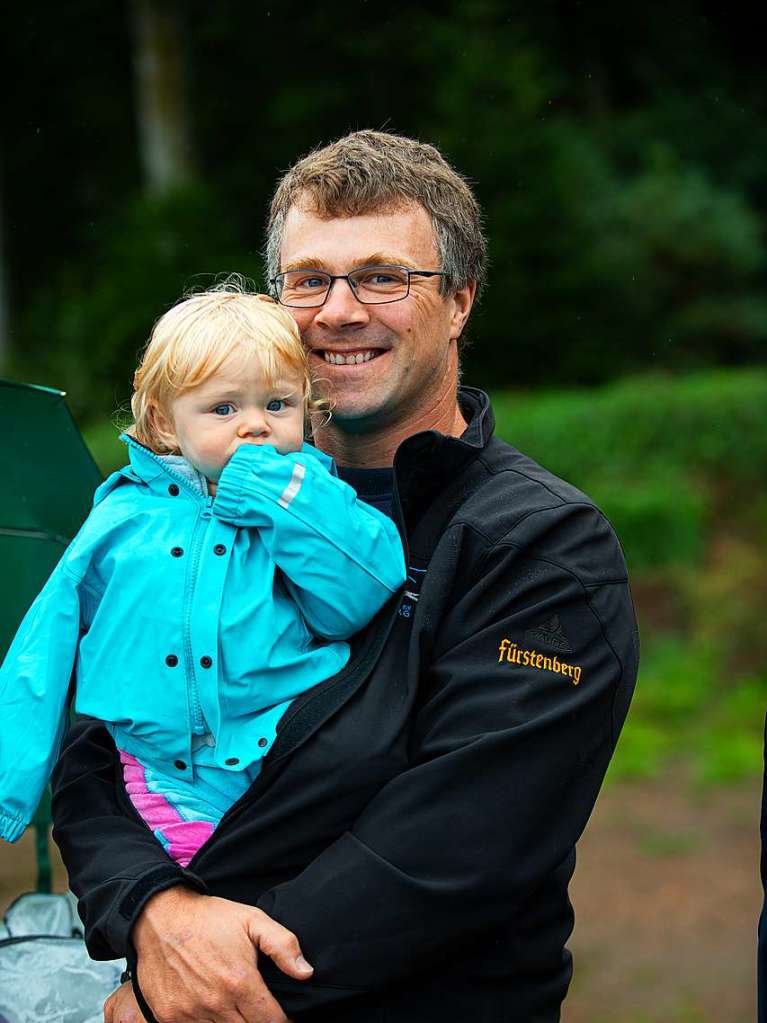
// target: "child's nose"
[[254, 424]]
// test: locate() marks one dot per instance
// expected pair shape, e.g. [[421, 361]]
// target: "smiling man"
[[413, 829], [385, 345]]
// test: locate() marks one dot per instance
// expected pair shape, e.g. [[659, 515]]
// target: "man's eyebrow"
[[306, 263], [374, 259], [386, 259]]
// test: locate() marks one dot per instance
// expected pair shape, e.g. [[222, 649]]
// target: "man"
[[414, 825]]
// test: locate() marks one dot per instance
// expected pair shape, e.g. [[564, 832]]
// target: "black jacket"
[[415, 821]]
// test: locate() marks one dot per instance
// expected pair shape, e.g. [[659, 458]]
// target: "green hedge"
[[656, 453], [709, 422]]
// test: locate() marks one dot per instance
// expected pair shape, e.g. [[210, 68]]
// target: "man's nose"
[[341, 308]]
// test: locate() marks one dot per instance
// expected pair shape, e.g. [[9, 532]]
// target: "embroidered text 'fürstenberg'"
[[542, 662]]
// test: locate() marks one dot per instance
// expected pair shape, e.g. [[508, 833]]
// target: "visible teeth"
[[349, 360]]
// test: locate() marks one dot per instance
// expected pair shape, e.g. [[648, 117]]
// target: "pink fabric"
[[181, 838]]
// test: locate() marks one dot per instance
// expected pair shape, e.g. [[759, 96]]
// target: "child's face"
[[235, 406]]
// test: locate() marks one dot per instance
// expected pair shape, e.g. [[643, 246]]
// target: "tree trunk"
[[163, 122]]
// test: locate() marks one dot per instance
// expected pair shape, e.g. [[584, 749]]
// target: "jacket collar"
[[453, 451], [157, 473], [425, 462], [150, 468]]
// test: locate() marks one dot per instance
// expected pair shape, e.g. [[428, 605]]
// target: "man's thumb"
[[282, 947]]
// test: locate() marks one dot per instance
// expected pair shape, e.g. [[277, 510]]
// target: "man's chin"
[[361, 413], [359, 400]]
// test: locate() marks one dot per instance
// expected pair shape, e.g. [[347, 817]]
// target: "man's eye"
[[223, 410], [275, 405], [389, 277], [306, 282]]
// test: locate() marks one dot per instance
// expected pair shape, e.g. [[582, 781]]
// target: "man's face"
[[409, 346]]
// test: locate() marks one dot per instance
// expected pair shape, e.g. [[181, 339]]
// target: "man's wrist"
[[166, 904]]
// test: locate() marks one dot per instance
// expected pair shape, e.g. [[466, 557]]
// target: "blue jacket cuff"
[[11, 826]]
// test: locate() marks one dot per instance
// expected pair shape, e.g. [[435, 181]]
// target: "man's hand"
[[122, 1007], [198, 955]]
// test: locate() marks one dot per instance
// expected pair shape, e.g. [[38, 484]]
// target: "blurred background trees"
[[620, 163]]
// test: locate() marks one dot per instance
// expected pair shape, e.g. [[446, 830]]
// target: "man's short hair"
[[373, 171]]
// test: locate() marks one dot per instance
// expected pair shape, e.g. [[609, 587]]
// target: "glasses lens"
[[379, 283], [302, 287]]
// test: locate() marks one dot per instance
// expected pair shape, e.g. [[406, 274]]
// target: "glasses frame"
[[332, 278]]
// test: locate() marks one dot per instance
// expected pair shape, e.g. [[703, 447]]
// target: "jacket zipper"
[[197, 720]]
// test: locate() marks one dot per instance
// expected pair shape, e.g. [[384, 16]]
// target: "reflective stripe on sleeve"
[[290, 491]]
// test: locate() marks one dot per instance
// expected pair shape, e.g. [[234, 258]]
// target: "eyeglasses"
[[371, 285]]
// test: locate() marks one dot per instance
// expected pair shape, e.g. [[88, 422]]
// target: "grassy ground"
[[667, 897]]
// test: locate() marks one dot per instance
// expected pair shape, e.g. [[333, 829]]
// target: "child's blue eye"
[[223, 410], [275, 405]]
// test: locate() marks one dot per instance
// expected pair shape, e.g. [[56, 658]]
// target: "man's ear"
[[162, 427], [462, 301]]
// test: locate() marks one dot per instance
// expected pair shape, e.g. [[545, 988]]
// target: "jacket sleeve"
[[328, 544], [34, 686], [113, 860], [527, 682]]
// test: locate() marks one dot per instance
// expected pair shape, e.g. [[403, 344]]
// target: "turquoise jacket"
[[186, 616]]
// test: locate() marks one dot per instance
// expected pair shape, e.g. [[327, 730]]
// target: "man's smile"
[[347, 357]]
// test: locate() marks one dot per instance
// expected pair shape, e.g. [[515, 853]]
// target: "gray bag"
[[46, 974]]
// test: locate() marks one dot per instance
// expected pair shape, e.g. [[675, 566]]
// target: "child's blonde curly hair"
[[189, 343]]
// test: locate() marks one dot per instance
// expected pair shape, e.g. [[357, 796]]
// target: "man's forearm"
[[114, 862]]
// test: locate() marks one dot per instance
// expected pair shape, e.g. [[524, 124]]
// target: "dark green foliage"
[[661, 522], [86, 330], [620, 164], [703, 425]]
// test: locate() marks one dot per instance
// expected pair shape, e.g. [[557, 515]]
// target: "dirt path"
[[666, 896]]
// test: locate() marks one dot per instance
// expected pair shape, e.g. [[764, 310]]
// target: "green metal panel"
[[47, 479]]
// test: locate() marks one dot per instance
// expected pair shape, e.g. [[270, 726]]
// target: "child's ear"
[[162, 427]]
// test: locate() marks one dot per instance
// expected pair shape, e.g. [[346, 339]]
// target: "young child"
[[216, 579]]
